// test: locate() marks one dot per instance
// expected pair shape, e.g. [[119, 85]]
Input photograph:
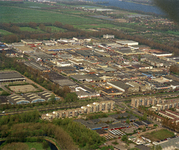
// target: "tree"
[[124, 138], [32, 25], [139, 57], [45, 145], [49, 30], [144, 129], [127, 121], [10, 38], [42, 27], [66, 90], [71, 97], [52, 98], [144, 117]]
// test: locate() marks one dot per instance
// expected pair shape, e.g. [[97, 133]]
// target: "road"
[[5, 89]]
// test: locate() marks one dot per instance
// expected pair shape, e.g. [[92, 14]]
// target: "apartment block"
[[103, 106]]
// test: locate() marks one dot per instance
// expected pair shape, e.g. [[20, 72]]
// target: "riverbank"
[[131, 6]]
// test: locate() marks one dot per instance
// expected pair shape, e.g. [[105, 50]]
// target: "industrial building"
[[171, 144], [3, 47], [106, 36], [127, 42], [122, 86], [29, 98], [11, 76], [84, 93]]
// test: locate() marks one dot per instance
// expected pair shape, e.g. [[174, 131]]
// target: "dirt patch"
[[23, 88]]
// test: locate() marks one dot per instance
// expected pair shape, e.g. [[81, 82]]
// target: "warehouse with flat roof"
[[11, 76]]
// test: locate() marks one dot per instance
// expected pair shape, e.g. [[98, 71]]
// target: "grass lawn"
[[31, 29], [4, 32], [95, 26], [54, 29], [24, 146], [68, 11], [173, 32], [28, 29], [19, 15], [159, 135], [127, 29], [37, 146]]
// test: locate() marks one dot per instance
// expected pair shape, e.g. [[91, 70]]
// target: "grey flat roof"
[[10, 76], [172, 142], [120, 84], [65, 82], [117, 125], [143, 147], [107, 119], [3, 99]]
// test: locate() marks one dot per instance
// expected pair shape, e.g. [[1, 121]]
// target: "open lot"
[[159, 135], [23, 88]]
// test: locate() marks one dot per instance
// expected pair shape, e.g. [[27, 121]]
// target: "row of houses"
[[172, 103], [170, 115]]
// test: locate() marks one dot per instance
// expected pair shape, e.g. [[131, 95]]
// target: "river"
[[131, 6]]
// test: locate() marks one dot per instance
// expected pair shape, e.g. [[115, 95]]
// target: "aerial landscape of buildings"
[[109, 84]]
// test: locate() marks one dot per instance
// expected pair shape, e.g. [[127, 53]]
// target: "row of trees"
[[19, 118], [168, 123]]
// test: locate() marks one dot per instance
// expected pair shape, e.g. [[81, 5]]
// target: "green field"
[[37, 146], [4, 32], [23, 146], [159, 135], [56, 29], [28, 29], [25, 4], [19, 15], [95, 26]]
